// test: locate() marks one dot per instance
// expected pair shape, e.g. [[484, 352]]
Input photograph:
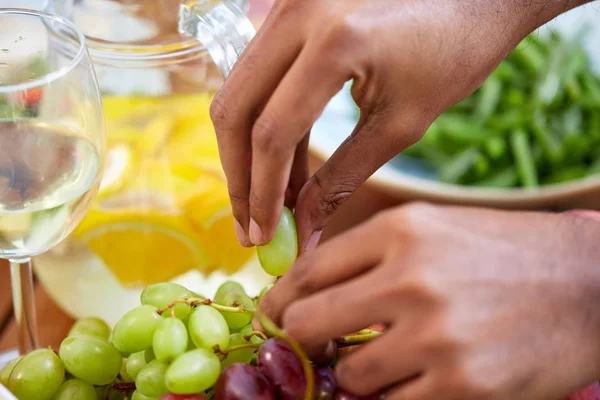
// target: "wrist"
[[542, 12]]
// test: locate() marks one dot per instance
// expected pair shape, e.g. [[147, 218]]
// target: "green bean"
[[545, 139], [490, 94], [461, 129], [536, 120], [458, 167], [514, 118], [594, 126], [524, 159], [505, 178], [573, 121], [530, 57], [495, 147], [594, 168], [576, 148], [506, 72], [565, 175], [514, 98]]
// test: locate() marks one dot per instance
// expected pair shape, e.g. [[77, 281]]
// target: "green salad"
[[535, 121]]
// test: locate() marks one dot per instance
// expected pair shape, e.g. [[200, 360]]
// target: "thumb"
[[376, 139]]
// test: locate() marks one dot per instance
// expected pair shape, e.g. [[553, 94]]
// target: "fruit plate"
[[410, 179]]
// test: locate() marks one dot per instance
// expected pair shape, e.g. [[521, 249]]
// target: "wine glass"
[[51, 145]]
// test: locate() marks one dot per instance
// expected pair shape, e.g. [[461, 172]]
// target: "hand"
[[479, 304], [410, 60]]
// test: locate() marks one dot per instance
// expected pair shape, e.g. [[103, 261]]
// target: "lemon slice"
[[120, 162], [142, 248], [210, 213]]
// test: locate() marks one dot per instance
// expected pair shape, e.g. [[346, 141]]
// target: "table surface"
[[54, 324]]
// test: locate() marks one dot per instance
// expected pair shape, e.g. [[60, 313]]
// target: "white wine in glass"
[[51, 144]]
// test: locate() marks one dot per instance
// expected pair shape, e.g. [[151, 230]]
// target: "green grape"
[[151, 380], [149, 355], [135, 330], [237, 356], [90, 326], [116, 395], [237, 321], [264, 292], [162, 294], [123, 373], [135, 363], [193, 372], [6, 371], [76, 390], [102, 392], [38, 376], [277, 257], [90, 359], [208, 328], [226, 288], [137, 395], [229, 294], [170, 339], [247, 330]]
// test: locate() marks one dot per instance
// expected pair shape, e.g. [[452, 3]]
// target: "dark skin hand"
[[479, 304], [410, 61]]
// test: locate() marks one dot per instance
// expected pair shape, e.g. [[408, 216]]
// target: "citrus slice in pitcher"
[[210, 214], [143, 248], [119, 167]]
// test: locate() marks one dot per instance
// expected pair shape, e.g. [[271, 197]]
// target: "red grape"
[[283, 368], [589, 393], [171, 396], [241, 381], [325, 383], [341, 394]]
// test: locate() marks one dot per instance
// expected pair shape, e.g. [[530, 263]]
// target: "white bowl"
[[410, 180]]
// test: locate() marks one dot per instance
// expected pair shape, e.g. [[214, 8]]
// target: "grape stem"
[[225, 353], [258, 334], [273, 330], [195, 302], [361, 337], [124, 386]]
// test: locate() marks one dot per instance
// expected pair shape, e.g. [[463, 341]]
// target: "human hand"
[[410, 60], [479, 304]]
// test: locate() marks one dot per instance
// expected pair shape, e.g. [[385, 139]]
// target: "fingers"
[[291, 111], [379, 137], [338, 260], [337, 311], [299, 174], [237, 105], [391, 359], [417, 389]]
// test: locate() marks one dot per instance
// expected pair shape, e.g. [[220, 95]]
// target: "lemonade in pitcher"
[[162, 212]]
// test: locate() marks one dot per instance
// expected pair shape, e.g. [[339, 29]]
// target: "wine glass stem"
[[21, 276]]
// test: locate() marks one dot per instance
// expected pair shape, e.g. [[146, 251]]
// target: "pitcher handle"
[[221, 26]]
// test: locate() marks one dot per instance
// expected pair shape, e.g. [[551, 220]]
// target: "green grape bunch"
[[179, 345]]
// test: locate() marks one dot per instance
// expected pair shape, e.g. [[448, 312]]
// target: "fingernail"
[[313, 241], [256, 236], [241, 235]]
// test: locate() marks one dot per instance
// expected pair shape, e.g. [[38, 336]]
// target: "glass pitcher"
[[162, 212]]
